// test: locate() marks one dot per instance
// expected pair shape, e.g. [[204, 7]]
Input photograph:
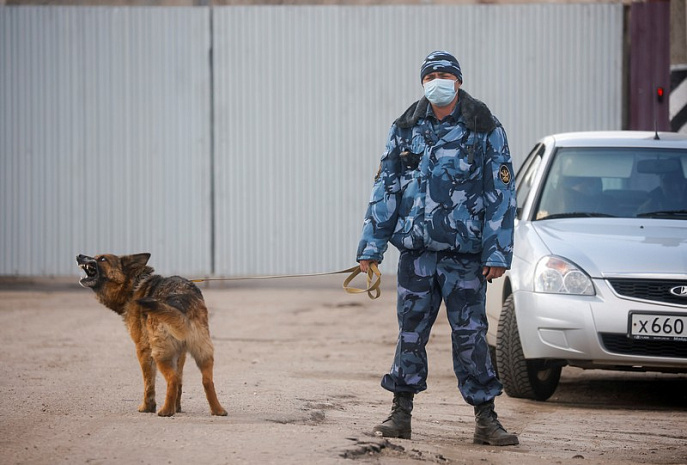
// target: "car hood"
[[618, 247]]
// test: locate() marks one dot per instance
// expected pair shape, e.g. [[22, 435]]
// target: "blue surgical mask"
[[440, 92]]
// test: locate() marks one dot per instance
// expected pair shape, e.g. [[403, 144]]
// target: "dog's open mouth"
[[90, 270], [89, 267]]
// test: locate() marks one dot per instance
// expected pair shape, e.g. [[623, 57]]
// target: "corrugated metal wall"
[[105, 136], [109, 139]]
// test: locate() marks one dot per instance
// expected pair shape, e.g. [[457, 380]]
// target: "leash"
[[374, 279]]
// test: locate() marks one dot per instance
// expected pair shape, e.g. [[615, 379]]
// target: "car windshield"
[[615, 182]]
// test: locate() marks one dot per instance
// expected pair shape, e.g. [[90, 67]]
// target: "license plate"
[[658, 326]]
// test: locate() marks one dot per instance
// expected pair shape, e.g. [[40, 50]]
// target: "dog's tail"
[[170, 311]]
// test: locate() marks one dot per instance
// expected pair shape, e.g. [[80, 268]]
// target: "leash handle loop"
[[373, 290]]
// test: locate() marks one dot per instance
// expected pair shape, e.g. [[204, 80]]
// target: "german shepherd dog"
[[166, 318]]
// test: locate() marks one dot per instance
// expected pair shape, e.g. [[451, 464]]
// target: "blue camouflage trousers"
[[424, 280]]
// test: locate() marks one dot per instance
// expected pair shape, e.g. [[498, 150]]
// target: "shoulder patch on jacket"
[[504, 174]]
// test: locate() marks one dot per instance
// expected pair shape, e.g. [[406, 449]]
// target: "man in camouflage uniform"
[[444, 197]]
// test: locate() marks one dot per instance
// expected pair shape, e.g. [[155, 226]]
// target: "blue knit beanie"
[[440, 61]]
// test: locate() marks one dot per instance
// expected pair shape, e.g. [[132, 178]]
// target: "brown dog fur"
[[166, 317]]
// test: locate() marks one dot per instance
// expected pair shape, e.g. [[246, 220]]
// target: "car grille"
[[649, 289], [621, 344]]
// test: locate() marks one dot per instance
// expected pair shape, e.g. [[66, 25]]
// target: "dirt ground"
[[297, 365]]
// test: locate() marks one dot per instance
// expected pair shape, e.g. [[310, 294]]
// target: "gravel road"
[[297, 365]]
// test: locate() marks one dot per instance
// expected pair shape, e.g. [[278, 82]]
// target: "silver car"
[[599, 274]]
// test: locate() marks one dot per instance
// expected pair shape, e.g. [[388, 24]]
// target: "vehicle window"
[[525, 177], [621, 182]]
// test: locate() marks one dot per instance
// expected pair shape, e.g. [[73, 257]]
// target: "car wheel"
[[526, 379]]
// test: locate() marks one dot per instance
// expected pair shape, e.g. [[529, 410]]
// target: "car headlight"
[[554, 275]]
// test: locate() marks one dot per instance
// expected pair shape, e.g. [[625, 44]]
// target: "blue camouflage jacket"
[[443, 186]]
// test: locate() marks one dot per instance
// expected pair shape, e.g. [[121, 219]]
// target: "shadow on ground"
[[611, 390]]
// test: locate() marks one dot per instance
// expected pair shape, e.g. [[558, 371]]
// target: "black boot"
[[398, 423], [488, 430]]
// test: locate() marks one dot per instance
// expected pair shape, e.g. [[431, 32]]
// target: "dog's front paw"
[[147, 408], [166, 412], [220, 412]]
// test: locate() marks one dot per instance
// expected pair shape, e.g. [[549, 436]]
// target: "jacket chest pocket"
[[456, 170], [464, 164], [471, 157], [412, 152], [472, 149]]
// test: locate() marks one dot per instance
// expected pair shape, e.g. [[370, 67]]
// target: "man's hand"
[[365, 265], [491, 272]]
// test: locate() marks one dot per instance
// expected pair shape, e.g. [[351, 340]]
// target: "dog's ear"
[[136, 260]]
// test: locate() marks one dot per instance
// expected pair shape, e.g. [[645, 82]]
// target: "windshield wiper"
[[576, 215], [680, 214]]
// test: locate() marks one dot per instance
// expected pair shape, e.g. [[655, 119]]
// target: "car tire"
[[521, 378]]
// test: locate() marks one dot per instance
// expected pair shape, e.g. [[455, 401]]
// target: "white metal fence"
[[243, 140]]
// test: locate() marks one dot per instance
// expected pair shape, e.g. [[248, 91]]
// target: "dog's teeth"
[[88, 270]]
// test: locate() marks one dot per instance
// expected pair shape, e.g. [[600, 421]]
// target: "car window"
[[620, 182], [525, 177]]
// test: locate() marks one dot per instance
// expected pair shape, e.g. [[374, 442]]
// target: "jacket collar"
[[474, 113]]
